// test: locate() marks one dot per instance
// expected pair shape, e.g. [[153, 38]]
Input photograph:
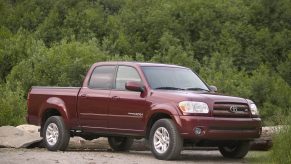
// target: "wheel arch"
[[54, 106], [155, 117], [160, 111]]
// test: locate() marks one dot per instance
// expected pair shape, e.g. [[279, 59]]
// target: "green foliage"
[[241, 46], [281, 148], [64, 64], [169, 48], [225, 76], [272, 94], [12, 106], [285, 69], [15, 48]]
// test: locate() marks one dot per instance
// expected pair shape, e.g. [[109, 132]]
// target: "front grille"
[[231, 110]]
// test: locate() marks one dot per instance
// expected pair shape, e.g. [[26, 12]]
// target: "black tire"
[[63, 138], [237, 149], [175, 144], [120, 143]]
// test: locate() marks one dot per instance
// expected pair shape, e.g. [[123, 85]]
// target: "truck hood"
[[207, 97]]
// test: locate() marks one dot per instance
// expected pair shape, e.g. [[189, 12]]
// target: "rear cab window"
[[102, 77]]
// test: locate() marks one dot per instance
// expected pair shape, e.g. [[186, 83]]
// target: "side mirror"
[[213, 88], [134, 86]]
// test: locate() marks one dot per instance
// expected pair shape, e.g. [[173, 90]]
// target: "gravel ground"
[[104, 156]]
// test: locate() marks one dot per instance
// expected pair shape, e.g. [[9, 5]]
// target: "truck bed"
[[43, 98]]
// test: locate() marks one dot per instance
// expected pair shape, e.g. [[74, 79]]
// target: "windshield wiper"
[[197, 89], [170, 88], [175, 88]]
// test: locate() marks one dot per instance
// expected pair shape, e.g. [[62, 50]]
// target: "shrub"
[[12, 106]]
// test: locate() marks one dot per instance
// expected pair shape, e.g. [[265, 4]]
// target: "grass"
[[281, 150], [259, 157]]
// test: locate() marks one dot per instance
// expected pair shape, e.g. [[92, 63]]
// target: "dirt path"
[[42, 156]]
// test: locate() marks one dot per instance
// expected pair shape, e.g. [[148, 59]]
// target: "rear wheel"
[[237, 149], [120, 143], [165, 140], [56, 136]]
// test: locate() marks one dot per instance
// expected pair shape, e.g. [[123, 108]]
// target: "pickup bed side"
[[44, 102]]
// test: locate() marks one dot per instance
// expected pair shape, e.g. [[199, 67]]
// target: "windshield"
[[173, 78]]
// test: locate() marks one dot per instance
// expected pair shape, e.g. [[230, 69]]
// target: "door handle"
[[84, 96], [115, 97]]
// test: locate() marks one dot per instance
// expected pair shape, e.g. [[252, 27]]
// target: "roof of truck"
[[139, 63]]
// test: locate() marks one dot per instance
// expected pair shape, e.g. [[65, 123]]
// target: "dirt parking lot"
[[106, 156]]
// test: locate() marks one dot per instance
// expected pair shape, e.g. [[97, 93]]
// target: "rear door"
[[93, 101], [126, 111]]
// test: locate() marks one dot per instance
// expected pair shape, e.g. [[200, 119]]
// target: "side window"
[[102, 77], [124, 74]]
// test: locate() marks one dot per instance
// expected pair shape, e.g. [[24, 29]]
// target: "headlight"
[[193, 107], [254, 109]]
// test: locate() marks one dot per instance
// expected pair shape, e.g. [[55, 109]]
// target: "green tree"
[[15, 48], [225, 76], [64, 64]]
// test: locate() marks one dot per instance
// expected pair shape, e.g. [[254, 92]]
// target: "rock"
[[16, 138], [262, 144], [29, 128], [265, 141], [270, 131], [80, 143], [140, 145]]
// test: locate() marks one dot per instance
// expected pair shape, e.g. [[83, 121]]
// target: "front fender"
[[169, 109]]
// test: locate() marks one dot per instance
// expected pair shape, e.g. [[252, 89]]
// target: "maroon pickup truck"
[[167, 104]]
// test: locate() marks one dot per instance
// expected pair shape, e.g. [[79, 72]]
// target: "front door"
[[126, 111]]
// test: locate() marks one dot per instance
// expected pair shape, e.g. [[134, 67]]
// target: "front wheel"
[[165, 140], [237, 149], [120, 143], [56, 136]]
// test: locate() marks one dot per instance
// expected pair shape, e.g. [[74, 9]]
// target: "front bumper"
[[217, 128]]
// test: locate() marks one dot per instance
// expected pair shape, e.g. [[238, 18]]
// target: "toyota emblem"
[[233, 109]]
